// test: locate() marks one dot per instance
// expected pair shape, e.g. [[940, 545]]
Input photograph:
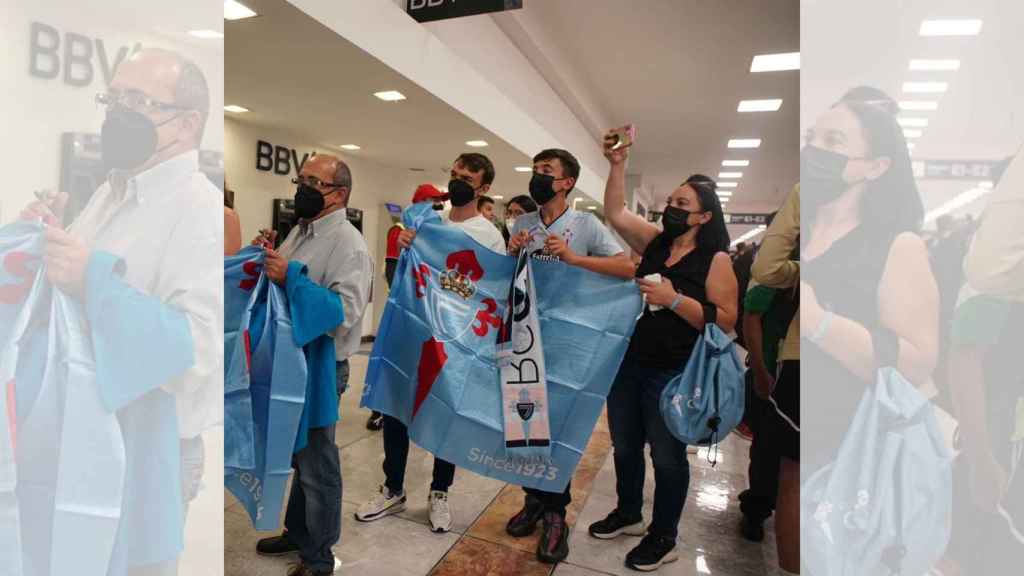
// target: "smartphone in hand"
[[624, 137]]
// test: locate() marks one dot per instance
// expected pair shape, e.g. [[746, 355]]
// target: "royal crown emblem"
[[454, 281]]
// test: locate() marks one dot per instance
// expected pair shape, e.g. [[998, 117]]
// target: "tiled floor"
[[404, 546]]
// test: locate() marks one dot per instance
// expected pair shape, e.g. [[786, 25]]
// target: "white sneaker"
[[440, 512], [384, 503]]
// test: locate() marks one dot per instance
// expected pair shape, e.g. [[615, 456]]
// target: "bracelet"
[[678, 299], [822, 328]]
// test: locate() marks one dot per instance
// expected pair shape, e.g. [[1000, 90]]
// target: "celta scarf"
[[520, 360]]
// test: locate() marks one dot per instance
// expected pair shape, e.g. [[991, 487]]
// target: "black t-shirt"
[[662, 339]]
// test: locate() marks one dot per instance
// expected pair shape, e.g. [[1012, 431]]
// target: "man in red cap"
[[424, 193]]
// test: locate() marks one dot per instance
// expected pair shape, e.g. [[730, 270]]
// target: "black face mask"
[[676, 221], [308, 202], [821, 175], [128, 139], [541, 189], [460, 193]]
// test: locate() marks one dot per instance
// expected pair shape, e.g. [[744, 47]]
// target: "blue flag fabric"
[[433, 364], [268, 376]]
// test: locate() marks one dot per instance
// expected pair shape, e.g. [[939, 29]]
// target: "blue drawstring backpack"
[[277, 375], [704, 403], [884, 506]]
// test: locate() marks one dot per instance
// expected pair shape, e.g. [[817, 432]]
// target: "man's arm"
[[772, 267], [619, 265], [348, 275]]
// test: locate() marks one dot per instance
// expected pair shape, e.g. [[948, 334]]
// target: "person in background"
[[768, 313], [471, 176], [424, 193], [556, 232], [697, 283], [325, 267], [232, 226], [515, 208], [485, 206]]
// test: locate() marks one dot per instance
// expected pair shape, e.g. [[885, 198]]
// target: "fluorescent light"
[[913, 122], [919, 105], [911, 133], [730, 174], [925, 87], [349, 147], [745, 143], [206, 34], [724, 194], [591, 207], [476, 143], [726, 184], [986, 184], [390, 95], [775, 62], [234, 108], [961, 200], [759, 105], [498, 197], [950, 27], [923, 65], [524, 169], [911, 145], [236, 10], [735, 163], [749, 235]]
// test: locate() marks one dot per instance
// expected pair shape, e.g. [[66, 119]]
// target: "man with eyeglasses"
[[557, 232], [144, 260], [338, 272], [471, 176]]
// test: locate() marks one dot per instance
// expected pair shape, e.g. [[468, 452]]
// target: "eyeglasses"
[[314, 182], [137, 101]]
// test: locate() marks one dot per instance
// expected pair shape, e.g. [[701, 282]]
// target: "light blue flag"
[[241, 274], [274, 384], [433, 365]]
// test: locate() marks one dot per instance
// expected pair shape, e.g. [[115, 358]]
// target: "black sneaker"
[[652, 552], [553, 546], [751, 529], [276, 546], [525, 522], [301, 569], [614, 524], [375, 422]]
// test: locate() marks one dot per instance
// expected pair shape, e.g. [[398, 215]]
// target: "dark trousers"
[[313, 519], [634, 419], [758, 502], [396, 455], [555, 502]]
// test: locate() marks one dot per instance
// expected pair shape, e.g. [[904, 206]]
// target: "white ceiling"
[[846, 44], [297, 75], [677, 69]]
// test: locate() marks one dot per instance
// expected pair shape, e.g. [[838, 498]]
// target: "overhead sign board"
[[431, 10]]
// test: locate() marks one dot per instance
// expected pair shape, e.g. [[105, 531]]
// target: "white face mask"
[[509, 223]]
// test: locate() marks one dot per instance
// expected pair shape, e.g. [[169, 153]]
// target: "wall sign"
[[752, 219], [960, 169], [430, 10], [279, 159], [75, 58]]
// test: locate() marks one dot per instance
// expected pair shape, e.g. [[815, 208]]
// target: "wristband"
[[678, 299], [822, 328]]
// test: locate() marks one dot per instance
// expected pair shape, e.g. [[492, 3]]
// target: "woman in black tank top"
[[690, 257]]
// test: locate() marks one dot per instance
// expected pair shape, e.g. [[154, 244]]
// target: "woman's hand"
[[617, 156], [658, 293]]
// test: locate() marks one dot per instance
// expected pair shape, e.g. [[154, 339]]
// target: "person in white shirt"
[[471, 176], [144, 259]]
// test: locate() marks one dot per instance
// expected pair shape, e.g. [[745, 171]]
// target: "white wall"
[[37, 111], [373, 184]]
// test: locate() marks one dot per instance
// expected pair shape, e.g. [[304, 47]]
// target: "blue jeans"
[[634, 418], [313, 519]]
